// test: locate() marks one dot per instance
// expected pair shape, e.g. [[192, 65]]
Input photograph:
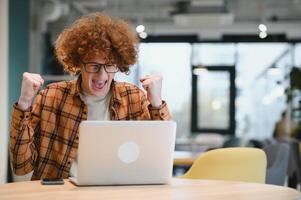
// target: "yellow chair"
[[234, 164]]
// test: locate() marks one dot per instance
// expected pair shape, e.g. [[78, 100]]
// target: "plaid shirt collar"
[[75, 90]]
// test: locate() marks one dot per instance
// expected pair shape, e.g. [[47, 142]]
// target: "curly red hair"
[[92, 35]]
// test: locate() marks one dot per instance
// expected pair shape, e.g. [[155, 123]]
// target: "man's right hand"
[[31, 84]]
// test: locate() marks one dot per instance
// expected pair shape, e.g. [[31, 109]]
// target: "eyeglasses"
[[92, 67]]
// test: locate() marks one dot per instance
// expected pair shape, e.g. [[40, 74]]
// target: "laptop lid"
[[125, 152]]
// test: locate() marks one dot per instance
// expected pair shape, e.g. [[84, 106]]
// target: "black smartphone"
[[52, 181]]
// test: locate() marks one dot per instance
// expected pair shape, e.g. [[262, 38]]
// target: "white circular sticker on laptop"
[[128, 152]]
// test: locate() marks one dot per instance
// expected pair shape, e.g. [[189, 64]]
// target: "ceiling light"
[[199, 71], [140, 28], [262, 27], [263, 34], [143, 35]]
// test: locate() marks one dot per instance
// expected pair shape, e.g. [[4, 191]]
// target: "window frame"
[[194, 102]]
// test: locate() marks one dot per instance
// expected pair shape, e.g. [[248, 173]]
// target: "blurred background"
[[231, 68]]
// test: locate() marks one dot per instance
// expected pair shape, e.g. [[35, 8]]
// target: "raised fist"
[[31, 84]]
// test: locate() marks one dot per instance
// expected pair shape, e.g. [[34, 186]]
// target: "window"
[[213, 92]]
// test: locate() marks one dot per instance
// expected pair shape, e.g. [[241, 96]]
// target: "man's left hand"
[[153, 85]]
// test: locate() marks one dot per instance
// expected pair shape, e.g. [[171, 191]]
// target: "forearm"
[[23, 151]]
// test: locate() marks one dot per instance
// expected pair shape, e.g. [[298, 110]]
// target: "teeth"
[[99, 82]]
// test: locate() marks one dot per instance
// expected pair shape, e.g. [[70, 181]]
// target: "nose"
[[102, 72]]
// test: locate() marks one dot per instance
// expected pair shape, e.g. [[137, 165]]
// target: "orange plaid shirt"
[[45, 139]]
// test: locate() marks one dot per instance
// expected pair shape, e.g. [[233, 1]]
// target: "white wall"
[[3, 89]]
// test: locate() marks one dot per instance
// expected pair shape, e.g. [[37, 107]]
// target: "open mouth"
[[98, 84]]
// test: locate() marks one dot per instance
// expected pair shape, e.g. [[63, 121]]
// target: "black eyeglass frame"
[[99, 66]]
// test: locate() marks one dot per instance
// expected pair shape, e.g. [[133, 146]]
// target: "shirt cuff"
[[19, 115], [19, 120], [161, 113]]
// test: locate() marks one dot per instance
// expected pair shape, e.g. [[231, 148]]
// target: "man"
[[44, 126]]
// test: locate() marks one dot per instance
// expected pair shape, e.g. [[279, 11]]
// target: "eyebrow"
[[95, 63]]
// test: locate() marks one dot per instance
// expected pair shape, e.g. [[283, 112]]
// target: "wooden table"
[[179, 189]]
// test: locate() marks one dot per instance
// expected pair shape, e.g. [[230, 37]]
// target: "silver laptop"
[[125, 152]]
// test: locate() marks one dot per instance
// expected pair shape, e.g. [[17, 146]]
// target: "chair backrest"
[[277, 162], [235, 164]]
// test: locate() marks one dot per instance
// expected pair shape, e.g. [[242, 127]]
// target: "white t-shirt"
[[98, 109]]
